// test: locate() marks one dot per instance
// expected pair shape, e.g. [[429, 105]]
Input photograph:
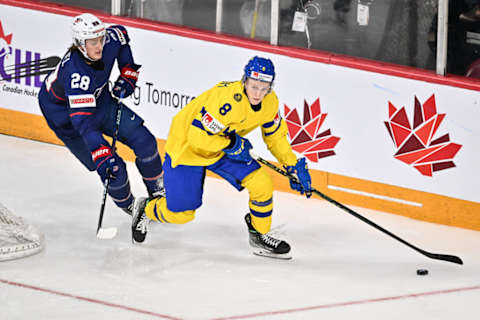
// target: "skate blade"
[[268, 254], [135, 242], [107, 233]]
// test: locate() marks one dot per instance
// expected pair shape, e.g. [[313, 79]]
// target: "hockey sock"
[[157, 210], [119, 188]]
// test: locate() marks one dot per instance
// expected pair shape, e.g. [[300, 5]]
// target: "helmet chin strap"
[[85, 54], [83, 50]]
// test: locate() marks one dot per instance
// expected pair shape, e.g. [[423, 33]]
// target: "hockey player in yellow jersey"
[[207, 134]]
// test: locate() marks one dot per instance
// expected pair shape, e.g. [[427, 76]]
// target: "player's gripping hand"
[[239, 149], [303, 182], [106, 162], [126, 82]]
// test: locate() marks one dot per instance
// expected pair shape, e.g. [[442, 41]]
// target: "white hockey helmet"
[[86, 26]]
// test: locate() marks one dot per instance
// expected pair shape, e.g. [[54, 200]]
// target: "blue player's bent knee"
[[119, 187], [142, 142]]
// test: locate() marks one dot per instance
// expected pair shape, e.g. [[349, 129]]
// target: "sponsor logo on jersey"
[[237, 97], [261, 76], [82, 101], [212, 124]]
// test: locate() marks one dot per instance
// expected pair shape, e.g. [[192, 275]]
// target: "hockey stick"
[[437, 256], [109, 233]]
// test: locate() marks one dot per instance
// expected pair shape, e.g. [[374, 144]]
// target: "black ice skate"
[[140, 221], [158, 190], [266, 245], [129, 210]]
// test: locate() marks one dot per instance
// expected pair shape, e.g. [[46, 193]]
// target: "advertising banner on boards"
[[360, 124]]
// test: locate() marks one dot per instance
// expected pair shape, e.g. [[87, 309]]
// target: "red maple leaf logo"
[[305, 136], [5, 41], [7, 38], [416, 145]]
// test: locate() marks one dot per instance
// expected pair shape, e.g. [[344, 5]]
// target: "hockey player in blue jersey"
[[79, 107]]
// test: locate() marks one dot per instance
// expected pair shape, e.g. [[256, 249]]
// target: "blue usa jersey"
[[81, 90]]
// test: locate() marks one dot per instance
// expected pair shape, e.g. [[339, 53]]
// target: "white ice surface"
[[342, 268]]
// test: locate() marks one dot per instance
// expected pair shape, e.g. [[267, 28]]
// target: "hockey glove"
[[238, 149], [126, 82], [105, 162], [303, 182]]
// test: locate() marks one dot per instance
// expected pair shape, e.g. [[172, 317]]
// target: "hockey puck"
[[422, 272]]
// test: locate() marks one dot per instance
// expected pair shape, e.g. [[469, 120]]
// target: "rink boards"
[[384, 137]]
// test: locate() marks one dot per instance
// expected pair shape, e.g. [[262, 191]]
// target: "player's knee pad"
[[157, 210], [121, 175], [119, 188]]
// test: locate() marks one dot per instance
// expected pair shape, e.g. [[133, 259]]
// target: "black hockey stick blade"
[[436, 256], [444, 257], [105, 233]]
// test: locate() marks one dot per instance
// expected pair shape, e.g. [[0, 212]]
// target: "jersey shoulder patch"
[[118, 33], [210, 122]]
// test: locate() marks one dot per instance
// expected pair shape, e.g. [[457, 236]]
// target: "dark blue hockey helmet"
[[260, 69]]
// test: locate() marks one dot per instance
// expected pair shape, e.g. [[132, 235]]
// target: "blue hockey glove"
[[126, 82], [303, 182], [239, 149], [106, 162]]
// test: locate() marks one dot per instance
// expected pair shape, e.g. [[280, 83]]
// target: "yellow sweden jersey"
[[199, 132]]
